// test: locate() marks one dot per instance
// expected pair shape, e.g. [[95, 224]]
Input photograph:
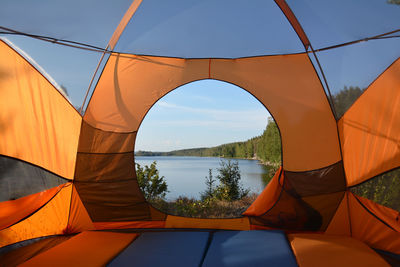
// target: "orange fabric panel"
[[30, 104], [227, 224], [85, 249], [17, 256], [130, 85], [369, 130], [124, 21], [329, 250], [340, 224], [129, 225], [267, 198], [289, 87], [51, 219], [79, 219], [13, 211], [371, 230]]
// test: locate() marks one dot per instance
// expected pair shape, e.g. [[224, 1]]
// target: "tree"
[[229, 179], [210, 188], [152, 185], [345, 98]]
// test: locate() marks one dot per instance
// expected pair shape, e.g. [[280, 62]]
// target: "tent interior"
[[69, 195]]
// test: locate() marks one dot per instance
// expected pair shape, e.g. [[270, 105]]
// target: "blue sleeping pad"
[[249, 248], [154, 249]]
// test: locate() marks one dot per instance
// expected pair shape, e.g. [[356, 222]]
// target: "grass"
[[208, 208]]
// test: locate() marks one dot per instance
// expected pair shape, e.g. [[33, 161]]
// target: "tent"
[[68, 188]]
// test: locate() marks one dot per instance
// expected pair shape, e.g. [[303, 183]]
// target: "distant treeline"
[[266, 148]]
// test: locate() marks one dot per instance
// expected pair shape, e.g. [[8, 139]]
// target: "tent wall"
[[37, 124], [369, 130], [50, 219]]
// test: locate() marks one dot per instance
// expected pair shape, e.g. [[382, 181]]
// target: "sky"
[[201, 114], [204, 113]]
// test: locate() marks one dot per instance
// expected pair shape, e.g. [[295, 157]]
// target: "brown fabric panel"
[[17, 256], [104, 167], [370, 129], [113, 201], [326, 205], [94, 140], [289, 87], [157, 215], [106, 178], [37, 124], [322, 181], [291, 213], [130, 85]]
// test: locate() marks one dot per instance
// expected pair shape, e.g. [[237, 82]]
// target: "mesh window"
[[383, 189], [351, 69]]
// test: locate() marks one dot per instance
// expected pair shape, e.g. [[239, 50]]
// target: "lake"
[[185, 176]]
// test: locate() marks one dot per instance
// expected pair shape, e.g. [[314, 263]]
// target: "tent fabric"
[[369, 132], [331, 250], [24, 253], [13, 211], [185, 222], [249, 248], [267, 198], [79, 219], [164, 249], [368, 226], [307, 148], [33, 105], [295, 201], [50, 219], [340, 223], [88, 248]]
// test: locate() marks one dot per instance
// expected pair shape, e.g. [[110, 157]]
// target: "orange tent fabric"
[[84, 249], [51, 219], [330, 250], [13, 211], [369, 130], [33, 105]]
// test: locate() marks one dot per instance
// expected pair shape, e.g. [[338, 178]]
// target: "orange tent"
[[72, 177]]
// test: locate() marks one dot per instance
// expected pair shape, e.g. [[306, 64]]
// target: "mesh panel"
[[329, 23], [384, 189], [19, 179], [351, 69], [202, 29], [92, 21]]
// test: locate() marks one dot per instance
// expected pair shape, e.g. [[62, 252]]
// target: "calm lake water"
[[186, 175]]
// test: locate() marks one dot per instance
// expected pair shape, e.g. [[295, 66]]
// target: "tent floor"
[[195, 248]]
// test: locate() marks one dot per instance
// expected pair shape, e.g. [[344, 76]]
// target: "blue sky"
[[201, 114]]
